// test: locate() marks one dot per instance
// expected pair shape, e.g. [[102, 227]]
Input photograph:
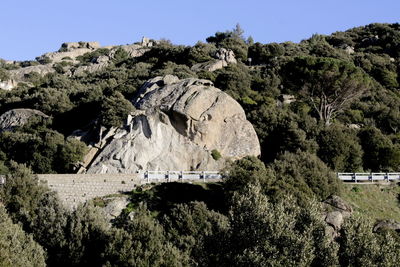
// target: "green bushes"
[[17, 247], [215, 154], [115, 110]]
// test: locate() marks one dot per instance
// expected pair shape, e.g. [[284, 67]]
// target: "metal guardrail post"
[[204, 176], [147, 176]]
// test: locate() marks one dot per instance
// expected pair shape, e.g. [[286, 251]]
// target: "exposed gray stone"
[[223, 57], [335, 219], [207, 116], [146, 42], [19, 74], [286, 99], [76, 45], [17, 117], [115, 206], [177, 125], [338, 204], [387, 224], [8, 85], [226, 54]]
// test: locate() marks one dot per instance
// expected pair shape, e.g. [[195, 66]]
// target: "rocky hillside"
[[285, 116], [332, 97]]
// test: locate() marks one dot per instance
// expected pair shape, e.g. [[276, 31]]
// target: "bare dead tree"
[[331, 91]]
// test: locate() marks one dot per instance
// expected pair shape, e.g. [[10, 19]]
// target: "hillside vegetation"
[[324, 105]]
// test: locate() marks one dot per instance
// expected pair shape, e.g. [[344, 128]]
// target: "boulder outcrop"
[[223, 57], [19, 74], [336, 211], [8, 85], [17, 117], [176, 126]]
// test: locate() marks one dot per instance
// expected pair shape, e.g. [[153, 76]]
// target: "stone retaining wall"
[[78, 188]]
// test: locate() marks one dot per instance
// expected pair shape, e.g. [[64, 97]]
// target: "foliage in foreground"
[[256, 229]]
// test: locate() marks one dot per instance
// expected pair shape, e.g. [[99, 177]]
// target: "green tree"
[[49, 228], [304, 176], [16, 247], [359, 246], [246, 171], [142, 242], [233, 40], [339, 148], [194, 229], [380, 154], [263, 234], [330, 85], [114, 110], [4, 76], [21, 194], [87, 235]]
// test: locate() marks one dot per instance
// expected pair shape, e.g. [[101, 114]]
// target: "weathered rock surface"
[[204, 114], [115, 206], [388, 225], [223, 57], [102, 62], [177, 125], [19, 74], [18, 117], [335, 219], [8, 85], [60, 56], [75, 45], [285, 100], [336, 211], [338, 204]]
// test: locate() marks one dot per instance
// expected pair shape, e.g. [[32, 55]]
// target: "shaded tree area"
[[255, 229]]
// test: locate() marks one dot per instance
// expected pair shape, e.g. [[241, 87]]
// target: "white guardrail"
[[368, 177], [170, 176]]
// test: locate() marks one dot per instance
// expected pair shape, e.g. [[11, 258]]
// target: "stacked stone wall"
[[78, 188]]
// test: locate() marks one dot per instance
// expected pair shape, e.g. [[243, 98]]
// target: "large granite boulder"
[[204, 114], [176, 127], [17, 117]]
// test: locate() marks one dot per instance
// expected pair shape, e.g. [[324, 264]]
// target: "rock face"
[[19, 74], [17, 117], [75, 45], [177, 125], [8, 85]]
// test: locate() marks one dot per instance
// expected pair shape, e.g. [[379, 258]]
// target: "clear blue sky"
[[30, 28]]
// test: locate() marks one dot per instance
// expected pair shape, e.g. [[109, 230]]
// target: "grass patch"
[[376, 201]]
